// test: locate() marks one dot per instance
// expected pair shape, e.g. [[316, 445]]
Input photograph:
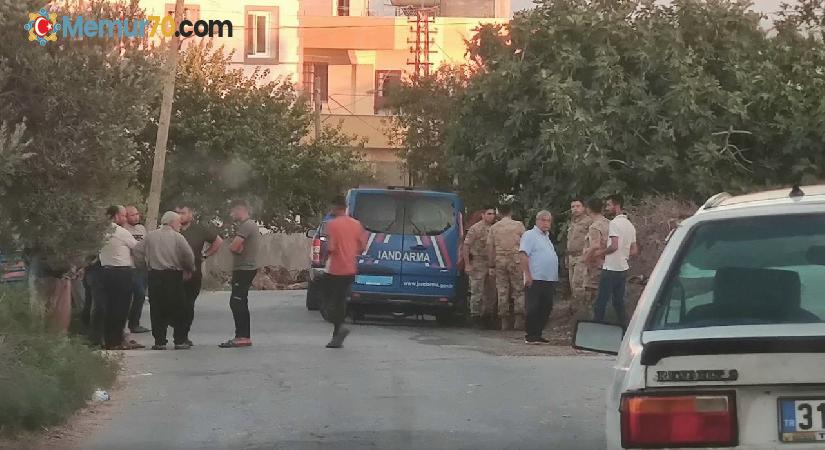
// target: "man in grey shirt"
[[138, 231], [170, 260], [244, 248]]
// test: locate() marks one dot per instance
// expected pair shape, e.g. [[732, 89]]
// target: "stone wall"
[[287, 251]]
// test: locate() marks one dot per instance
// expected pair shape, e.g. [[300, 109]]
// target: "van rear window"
[[747, 271], [409, 214]]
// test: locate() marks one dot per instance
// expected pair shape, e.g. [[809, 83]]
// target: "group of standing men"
[[525, 265], [168, 261]]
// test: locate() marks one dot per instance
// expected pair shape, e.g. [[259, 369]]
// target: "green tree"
[[580, 97], [236, 134], [422, 109], [78, 104]]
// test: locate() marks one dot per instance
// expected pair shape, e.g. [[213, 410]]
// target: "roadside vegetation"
[[44, 376]]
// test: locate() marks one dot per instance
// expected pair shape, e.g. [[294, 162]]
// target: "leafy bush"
[[45, 376]]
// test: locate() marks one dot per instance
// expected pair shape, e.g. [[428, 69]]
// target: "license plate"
[[373, 280], [801, 420]]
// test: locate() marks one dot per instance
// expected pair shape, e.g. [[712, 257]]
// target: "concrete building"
[[265, 32], [356, 49]]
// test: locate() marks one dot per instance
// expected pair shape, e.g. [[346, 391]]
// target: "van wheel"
[[445, 318], [313, 296]]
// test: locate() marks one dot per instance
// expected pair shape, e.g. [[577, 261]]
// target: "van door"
[[382, 216], [431, 239]]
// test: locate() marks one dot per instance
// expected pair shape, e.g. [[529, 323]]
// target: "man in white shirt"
[[621, 245], [116, 276]]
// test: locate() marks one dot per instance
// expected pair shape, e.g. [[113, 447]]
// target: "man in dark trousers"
[[244, 248], [540, 264], [197, 236], [170, 261], [346, 241], [116, 270], [138, 231]]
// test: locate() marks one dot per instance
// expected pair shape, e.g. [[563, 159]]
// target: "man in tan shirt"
[[503, 253], [592, 258], [476, 262], [576, 234]]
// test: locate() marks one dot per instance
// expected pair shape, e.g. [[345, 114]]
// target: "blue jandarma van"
[[411, 263]]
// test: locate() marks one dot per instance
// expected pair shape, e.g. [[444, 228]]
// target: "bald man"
[[170, 261]]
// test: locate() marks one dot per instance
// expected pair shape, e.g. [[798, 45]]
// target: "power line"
[[356, 116]]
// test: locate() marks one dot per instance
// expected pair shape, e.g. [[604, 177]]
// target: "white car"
[[726, 348]]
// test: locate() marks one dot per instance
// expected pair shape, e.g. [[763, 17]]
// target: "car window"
[[747, 271], [428, 216], [380, 213]]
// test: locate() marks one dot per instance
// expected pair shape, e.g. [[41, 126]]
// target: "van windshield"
[[414, 214], [747, 271]]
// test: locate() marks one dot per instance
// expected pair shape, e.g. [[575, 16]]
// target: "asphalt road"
[[393, 386]]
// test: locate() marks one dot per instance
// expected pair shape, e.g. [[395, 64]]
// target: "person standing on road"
[[592, 257], [170, 262], [621, 246], [138, 231], [244, 248], [197, 236], [116, 279], [503, 254], [541, 273], [476, 263], [576, 235], [346, 240]]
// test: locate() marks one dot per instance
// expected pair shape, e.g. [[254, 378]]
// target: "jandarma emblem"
[[676, 376]]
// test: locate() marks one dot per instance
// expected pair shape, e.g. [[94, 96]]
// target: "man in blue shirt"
[[540, 264]]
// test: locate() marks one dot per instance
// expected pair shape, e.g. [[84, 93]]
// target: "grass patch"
[[44, 377]]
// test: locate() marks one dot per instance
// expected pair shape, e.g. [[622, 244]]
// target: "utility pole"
[[163, 124], [316, 98]]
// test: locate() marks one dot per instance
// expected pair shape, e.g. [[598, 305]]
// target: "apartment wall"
[[285, 26]]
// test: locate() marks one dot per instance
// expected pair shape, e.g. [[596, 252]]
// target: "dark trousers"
[[93, 315], [538, 303], [191, 288], [337, 289], [611, 289], [138, 298], [239, 301], [117, 288], [167, 304]]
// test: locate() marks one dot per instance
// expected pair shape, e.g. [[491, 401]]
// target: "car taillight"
[[316, 251], [676, 420]]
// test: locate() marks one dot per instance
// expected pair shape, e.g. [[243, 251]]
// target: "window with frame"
[[343, 7], [258, 24], [314, 70], [385, 82]]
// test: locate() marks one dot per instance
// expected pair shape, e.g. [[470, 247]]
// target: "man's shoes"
[[139, 329], [338, 338], [182, 346], [189, 343], [543, 340], [235, 343], [535, 341], [159, 347]]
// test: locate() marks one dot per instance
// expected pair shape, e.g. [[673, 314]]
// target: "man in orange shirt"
[[346, 241]]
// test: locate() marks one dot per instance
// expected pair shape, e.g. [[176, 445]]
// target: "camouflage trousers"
[[576, 272], [585, 286], [478, 286], [509, 284]]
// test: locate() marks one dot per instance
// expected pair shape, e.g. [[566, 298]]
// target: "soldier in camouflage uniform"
[[476, 262], [576, 233], [503, 244], [593, 257]]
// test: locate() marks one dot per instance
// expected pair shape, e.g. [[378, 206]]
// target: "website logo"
[[42, 26]]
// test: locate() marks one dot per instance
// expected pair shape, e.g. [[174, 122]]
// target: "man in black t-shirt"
[[198, 236]]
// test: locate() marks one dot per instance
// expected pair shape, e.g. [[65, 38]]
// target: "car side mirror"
[[311, 233], [598, 337]]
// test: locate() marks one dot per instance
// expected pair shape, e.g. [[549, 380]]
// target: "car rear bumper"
[[401, 302]]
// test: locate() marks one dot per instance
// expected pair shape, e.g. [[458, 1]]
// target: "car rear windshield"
[[764, 270], [419, 215]]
